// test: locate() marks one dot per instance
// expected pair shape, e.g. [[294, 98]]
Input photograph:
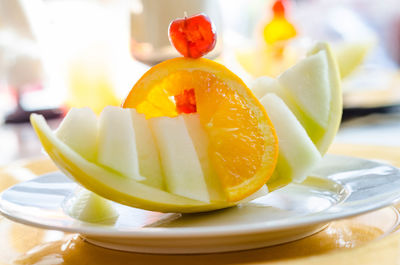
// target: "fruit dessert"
[[192, 137]]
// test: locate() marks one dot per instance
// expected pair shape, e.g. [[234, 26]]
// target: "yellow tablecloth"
[[351, 241]]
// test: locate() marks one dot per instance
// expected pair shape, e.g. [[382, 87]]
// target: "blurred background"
[[58, 54]]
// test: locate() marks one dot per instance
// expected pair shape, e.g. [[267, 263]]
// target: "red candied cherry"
[[193, 36], [186, 102]]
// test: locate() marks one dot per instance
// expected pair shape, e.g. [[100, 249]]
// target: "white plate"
[[340, 187]]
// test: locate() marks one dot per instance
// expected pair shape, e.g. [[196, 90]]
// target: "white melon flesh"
[[179, 160], [201, 143], [298, 153], [90, 207], [308, 82], [149, 160], [117, 142], [263, 85], [78, 130]]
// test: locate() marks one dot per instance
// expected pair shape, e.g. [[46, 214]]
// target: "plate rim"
[[202, 232]]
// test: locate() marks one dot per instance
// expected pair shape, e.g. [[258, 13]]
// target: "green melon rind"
[[336, 110]]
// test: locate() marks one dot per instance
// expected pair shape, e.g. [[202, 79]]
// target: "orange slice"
[[243, 145]]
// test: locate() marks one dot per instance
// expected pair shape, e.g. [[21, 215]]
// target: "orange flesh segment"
[[243, 145]]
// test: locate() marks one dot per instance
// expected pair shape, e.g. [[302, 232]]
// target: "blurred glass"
[[85, 45], [149, 26], [20, 63]]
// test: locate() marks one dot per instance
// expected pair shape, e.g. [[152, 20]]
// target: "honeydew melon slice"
[[325, 139], [308, 82], [297, 153], [265, 85], [117, 143], [179, 160], [201, 143], [149, 160], [78, 130], [110, 184], [311, 89], [90, 207]]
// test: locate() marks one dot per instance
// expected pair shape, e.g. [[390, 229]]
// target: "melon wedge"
[[312, 91], [90, 207], [297, 153], [149, 158], [180, 162], [112, 185], [78, 130], [201, 144], [305, 106], [325, 139], [117, 143], [308, 83]]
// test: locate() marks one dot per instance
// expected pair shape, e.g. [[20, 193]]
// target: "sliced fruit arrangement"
[[178, 163], [109, 183], [305, 106], [190, 137], [242, 142]]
